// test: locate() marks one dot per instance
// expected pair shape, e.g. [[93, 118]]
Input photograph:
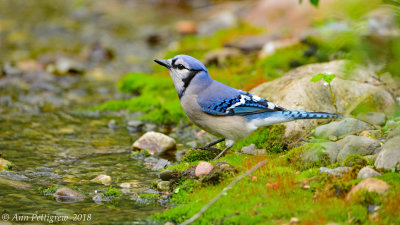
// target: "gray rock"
[[332, 149], [251, 150], [372, 118], [340, 128], [395, 132], [294, 90], [67, 195], [135, 126], [112, 125], [357, 145], [367, 172], [164, 186], [391, 124], [389, 157], [161, 164], [337, 172], [168, 175], [154, 142]]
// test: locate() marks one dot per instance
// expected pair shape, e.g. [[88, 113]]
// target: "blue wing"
[[236, 103]]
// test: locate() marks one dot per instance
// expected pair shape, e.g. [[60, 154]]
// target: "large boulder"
[[389, 157], [351, 88]]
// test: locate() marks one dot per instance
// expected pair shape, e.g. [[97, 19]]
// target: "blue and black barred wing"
[[242, 104]]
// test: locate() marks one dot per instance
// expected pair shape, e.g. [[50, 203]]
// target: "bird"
[[221, 110]]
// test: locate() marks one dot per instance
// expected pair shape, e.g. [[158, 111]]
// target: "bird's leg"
[[208, 146], [229, 144]]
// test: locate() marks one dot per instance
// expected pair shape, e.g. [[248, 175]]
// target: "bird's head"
[[183, 69]]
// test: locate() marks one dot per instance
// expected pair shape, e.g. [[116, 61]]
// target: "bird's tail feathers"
[[295, 115]]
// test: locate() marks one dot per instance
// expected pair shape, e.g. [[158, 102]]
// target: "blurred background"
[[78, 84]]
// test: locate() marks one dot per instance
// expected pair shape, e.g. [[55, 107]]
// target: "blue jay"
[[221, 110]]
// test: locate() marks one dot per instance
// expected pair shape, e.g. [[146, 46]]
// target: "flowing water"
[[43, 130]]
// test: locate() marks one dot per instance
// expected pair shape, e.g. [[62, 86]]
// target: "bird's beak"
[[163, 62]]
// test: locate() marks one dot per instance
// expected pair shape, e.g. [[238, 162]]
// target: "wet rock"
[[169, 175], [161, 164], [251, 150], [186, 27], [372, 118], [131, 184], [68, 195], [389, 157], [294, 90], [100, 197], [203, 169], [5, 165], [357, 145], [164, 186], [100, 53], [112, 125], [340, 128], [13, 175], [337, 172], [149, 127], [67, 66], [14, 183], [135, 126], [367, 172], [220, 56], [102, 179], [189, 173], [371, 185], [154, 142]]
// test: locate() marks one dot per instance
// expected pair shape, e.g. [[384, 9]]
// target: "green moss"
[[140, 154], [199, 155], [149, 196], [269, 138], [366, 198], [355, 160], [307, 156], [50, 190], [112, 192]]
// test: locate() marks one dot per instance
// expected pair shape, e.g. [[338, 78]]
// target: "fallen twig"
[[237, 179]]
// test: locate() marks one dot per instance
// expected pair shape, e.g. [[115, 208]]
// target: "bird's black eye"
[[181, 67]]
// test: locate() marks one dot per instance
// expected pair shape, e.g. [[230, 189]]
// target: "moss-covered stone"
[[355, 160], [197, 155], [307, 156]]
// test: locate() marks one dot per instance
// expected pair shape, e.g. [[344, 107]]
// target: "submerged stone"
[[5, 164], [102, 179], [68, 195]]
